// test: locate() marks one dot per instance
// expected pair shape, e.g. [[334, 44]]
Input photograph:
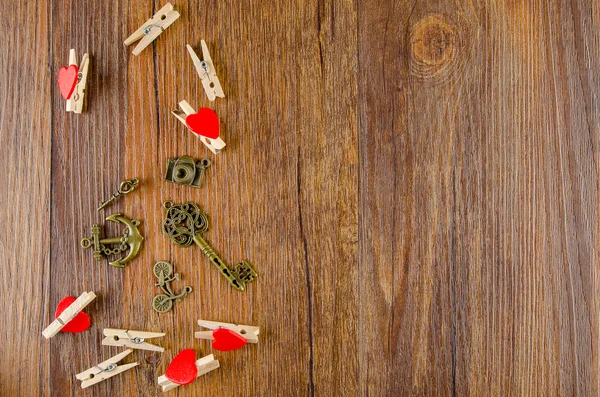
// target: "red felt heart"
[[205, 123], [225, 340], [182, 369], [67, 80], [80, 322]]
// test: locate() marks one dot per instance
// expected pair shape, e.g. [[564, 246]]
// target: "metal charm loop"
[[148, 28], [137, 340], [109, 367]]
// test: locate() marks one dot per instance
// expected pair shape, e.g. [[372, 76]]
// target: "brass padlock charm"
[[131, 240]]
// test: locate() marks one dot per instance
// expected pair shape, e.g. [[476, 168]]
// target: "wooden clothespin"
[[153, 27], [185, 369], [72, 82], [206, 71], [204, 124], [104, 370], [131, 339], [227, 336], [68, 314]]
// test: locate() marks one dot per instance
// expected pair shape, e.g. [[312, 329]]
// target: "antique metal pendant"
[[162, 303], [130, 241], [184, 225], [127, 186], [186, 171]]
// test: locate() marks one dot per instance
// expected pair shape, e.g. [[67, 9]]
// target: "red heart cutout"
[[67, 80], [80, 322], [182, 369], [225, 340], [205, 123]]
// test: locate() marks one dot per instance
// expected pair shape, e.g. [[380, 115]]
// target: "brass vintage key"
[[184, 225], [127, 186]]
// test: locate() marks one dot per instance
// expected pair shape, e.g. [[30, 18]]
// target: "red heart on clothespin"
[[205, 123], [67, 80], [225, 340], [80, 322], [182, 369]]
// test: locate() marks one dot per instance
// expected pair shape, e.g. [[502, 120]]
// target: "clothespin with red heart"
[[184, 369], [226, 337], [72, 82], [204, 124], [68, 316]]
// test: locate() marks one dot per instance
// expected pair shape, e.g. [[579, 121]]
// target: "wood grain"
[[25, 136], [415, 182], [479, 198]]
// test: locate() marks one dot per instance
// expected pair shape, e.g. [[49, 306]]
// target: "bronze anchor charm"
[[131, 240]]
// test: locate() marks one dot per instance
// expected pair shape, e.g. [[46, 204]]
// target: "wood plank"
[[24, 244], [416, 184], [328, 191], [257, 190], [128, 132], [487, 212], [25, 109], [406, 136], [87, 167]]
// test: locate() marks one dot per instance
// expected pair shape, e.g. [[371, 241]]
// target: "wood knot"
[[433, 46], [152, 357]]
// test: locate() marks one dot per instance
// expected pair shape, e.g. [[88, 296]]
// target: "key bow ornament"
[[184, 225], [131, 240]]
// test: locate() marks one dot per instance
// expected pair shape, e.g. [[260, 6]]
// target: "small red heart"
[[80, 322], [205, 123], [67, 80], [182, 369], [225, 340]]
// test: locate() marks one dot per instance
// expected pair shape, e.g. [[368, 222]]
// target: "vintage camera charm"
[[186, 171]]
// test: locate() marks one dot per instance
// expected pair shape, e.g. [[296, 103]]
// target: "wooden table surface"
[[416, 183]]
